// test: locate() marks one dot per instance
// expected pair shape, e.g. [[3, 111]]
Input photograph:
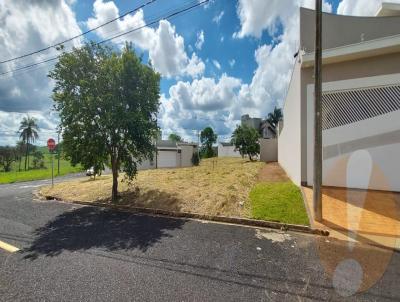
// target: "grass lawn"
[[219, 186], [35, 174], [278, 201]]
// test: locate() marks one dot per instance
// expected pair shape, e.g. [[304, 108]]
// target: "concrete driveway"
[[367, 216]]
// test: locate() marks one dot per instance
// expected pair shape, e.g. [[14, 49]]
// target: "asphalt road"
[[76, 253]]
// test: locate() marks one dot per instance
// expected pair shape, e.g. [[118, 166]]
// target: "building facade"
[[360, 103]]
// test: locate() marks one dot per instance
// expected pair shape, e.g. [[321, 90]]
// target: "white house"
[[171, 155], [227, 150], [360, 103]]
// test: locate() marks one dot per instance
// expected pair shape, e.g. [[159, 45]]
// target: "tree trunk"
[[26, 154], [114, 168], [20, 159], [251, 158]]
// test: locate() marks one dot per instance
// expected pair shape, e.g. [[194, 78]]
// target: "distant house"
[[171, 155], [268, 143], [268, 131], [264, 128], [360, 102], [227, 150]]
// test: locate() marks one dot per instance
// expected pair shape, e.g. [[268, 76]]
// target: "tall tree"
[[175, 138], [246, 140], [108, 103], [7, 157], [275, 116], [207, 138], [28, 132], [20, 149]]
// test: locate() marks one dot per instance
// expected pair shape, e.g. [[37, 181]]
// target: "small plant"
[[38, 160], [195, 159]]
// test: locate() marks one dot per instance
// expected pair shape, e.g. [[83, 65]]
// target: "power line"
[[171, 15], [44, 63], [80, 35]]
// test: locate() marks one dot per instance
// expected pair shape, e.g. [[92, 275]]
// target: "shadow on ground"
[[90, 227], [155, 199]]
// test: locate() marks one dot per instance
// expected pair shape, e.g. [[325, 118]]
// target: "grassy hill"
[[35, 174]]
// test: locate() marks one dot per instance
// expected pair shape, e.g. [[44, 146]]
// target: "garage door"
[[167, 159], [361, 138]]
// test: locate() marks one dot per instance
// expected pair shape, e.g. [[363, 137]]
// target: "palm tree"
[[20, 151], [28, 132], [275, 116]]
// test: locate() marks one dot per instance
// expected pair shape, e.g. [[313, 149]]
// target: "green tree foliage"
[[38, 159], [196, 159], [28, 132], [207, 138], [107, 103], [275, 116], [246, 140], [175, 138], [8, 155]]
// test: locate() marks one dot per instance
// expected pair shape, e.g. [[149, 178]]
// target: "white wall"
[[186, 155], [268, 150], [361, 155], [289, 140], [227, 151], [168, 158], [147, 164]]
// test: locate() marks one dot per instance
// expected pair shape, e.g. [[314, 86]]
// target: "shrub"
[[195, 159]]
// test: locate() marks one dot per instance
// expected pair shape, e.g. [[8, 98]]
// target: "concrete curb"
[[308, 210], [224, 219]]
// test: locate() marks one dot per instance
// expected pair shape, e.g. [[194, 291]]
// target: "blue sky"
[[217, 62]]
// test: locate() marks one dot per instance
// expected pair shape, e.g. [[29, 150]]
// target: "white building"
[[171, 155], [360, 103], [227, 150]]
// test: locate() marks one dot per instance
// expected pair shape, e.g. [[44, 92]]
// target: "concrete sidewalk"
[[364, 216]]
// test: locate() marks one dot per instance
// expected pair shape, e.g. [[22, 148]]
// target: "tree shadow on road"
[[91, 227]]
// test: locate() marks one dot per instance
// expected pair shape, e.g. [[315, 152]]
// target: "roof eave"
[[351, 52]]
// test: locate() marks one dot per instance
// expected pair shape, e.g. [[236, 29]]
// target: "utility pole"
[[198, 141], [317, 190], [58, 152]]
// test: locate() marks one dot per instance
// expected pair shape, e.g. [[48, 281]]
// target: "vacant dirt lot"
[[219, 186]]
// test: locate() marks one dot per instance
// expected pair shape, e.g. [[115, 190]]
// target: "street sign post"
[[51, 145]]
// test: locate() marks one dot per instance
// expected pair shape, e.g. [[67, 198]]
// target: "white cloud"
[[216, 64], [360, 7], [274, 61], [217, 18], [27, 26], [232, 63], [166, 48], [258, 15], [200, 40], [196, 66], [197, 104], [206, 5]]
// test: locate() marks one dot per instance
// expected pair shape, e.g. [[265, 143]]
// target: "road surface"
[[76, 253]]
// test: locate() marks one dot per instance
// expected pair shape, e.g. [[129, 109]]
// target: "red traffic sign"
[[51, 144]]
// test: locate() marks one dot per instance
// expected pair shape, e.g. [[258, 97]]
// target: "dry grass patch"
[[219, 186]]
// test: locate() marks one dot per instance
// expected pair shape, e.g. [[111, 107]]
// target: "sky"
[[217, 62]]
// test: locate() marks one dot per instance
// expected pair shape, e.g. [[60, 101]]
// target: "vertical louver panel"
[[341, 108]]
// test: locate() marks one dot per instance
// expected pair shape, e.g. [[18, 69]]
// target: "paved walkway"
[[365, 216], [272, 172]]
